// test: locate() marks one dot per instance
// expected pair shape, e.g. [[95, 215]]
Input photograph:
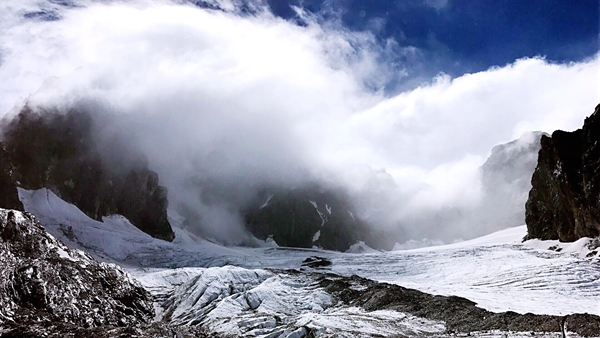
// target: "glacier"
[[268, 292]]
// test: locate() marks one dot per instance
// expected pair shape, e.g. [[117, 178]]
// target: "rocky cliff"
[[9, 197], [305, 217], [61, 151], [45, 282], [564, 200]]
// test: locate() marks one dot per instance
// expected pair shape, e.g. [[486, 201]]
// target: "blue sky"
[[461, 36]]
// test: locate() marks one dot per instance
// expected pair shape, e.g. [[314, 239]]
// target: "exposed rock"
[[59, 151], [45, 282], [459, 314], [316, 262], [563, 202], [9, 197], [62, 330], [306, 217], [48, 290]]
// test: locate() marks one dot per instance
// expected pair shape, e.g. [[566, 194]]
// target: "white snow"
[[414, 244], [351, 215], [319, 212], [316, 236], [584, 247], [264, 205], [115, 239], [360, 247]]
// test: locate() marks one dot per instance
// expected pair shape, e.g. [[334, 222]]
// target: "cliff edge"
[[564, 201]]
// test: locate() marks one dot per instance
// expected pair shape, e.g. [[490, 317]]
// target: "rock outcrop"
[[460, 315], [49, 290], [306, 217], [564, 201], [9, 197], [61, 152], [42, 281]]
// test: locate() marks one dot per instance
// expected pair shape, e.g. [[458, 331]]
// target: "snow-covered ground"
[[497, 271]]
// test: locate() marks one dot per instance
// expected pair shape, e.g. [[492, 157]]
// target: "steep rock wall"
[[564, 201]]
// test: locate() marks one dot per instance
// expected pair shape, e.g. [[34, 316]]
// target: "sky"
[[457, 37], [399, 102]]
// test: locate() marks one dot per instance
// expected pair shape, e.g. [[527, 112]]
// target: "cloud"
[[437, 4], [222, 103]]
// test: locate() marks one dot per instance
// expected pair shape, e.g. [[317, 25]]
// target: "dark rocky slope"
[[306, 217], [48, 290], [564, 201], [43, 281], [61, 151], [9, 197]]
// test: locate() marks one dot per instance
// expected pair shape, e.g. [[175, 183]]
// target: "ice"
[[235, 300]]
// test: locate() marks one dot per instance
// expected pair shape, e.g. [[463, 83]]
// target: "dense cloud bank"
[[224, 103]]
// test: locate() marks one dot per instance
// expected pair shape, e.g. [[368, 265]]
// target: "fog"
[[223, 102]]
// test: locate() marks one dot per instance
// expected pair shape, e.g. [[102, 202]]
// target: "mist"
[[223, 103]]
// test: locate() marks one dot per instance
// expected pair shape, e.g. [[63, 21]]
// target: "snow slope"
[[497, 271]]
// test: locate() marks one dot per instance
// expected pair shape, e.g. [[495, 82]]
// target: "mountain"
[[61, 151], [506, 181], [563, 202], [305, 217]]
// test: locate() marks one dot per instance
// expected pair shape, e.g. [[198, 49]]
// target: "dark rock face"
[[58, 151], [45, 282], [9, 197], [304, 217], [316, 262], [564, 199]]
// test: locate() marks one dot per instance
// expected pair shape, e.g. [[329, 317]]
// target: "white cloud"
[[437, 4], [254, 99]]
